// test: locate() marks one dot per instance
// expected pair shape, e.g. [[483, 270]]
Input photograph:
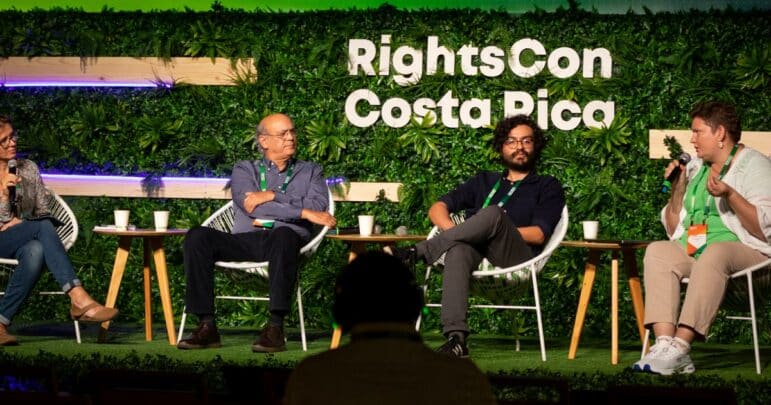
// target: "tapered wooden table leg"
[[583, 301], [118, 268], [635, 290], [148, 301], [159, 255]]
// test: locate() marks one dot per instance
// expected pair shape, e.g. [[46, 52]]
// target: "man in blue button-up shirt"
[[276, 199]]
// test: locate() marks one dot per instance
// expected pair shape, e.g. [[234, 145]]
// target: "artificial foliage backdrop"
[[662, 65]]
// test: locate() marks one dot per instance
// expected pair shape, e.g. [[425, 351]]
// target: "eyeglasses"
[[7, 140], [525, 142], [285, 133]]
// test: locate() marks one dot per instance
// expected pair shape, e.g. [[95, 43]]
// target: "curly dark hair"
[[717, 113], [507, 124], [5, 119]]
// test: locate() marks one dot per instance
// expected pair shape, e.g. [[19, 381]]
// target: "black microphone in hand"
[[12, 189], [683, 159]]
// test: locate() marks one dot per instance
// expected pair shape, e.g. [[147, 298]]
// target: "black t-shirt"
[[538, 201]]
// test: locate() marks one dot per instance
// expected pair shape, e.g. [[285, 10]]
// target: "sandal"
[[100, 315], [6, 339]]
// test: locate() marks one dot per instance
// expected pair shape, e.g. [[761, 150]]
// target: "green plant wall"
[[662, 65]]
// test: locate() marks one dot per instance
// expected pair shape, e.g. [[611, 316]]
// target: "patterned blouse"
[[32, 195]]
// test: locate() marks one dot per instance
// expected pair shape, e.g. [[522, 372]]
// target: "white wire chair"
[[245, 272], [68, 233], [503, 284], [747, 290]]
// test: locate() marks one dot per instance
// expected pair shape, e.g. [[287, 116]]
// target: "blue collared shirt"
[[306, 189]]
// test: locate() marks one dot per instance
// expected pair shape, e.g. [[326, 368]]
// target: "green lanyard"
[[505, 198], [264, 181], [710, 198]]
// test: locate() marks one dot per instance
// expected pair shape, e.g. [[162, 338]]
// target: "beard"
[[512, 163]]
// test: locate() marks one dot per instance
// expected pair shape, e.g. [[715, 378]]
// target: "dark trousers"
[[205, 246], [488, 234]]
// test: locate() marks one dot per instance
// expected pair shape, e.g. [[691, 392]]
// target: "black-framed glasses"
[[525, 142], [5, 142]]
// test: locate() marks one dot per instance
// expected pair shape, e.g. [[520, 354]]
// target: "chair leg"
[[302, 318], [182, 324], [754, 321], [534, 276], [644, 350], [425, 298], [77, 331]]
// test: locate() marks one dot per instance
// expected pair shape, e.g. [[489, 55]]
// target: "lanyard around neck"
[[505, 198], [264, 180], [723, 170]]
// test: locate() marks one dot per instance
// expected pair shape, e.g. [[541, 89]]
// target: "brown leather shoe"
[[6, 339], [101, 313], [205, 336], [271, 340]]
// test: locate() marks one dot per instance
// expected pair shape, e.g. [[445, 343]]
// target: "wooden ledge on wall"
[[184, 187], [123, 71], [760, 140]]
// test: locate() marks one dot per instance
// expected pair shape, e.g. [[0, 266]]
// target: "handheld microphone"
[[683, 159], [12, 189]]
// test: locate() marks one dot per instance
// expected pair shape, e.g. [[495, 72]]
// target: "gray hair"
[[259, 130]]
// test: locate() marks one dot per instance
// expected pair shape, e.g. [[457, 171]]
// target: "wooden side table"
[[153, 246], [627, 250], [358, 244]]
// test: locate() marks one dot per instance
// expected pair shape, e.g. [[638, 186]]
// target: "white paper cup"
[[366, 223], [121, 219], [161, 219], [590, 229]]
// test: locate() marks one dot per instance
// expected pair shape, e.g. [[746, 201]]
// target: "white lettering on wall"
[[527, 57]]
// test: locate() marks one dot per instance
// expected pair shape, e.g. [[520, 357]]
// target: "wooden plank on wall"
[[183, 187], [760, 140], [105, 71]]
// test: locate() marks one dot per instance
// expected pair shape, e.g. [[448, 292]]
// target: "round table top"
[[606, 244], [355, 237], [111, 230]]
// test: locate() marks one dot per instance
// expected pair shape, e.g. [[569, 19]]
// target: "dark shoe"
[[6, 339], [101, 313], [407, 255], [205, 336], [454, 347], [271, 340]]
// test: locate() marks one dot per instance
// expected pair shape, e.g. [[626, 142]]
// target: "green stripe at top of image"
[[512, 6]]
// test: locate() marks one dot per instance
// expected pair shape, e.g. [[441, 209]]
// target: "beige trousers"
[[666, 263]]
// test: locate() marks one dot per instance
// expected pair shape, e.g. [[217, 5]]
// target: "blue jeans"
[[32, 243]]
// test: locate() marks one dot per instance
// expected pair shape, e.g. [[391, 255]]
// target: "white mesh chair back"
[[504, 284], [68, 232]]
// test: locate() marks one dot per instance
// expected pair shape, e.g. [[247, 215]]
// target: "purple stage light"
[[81, 84]]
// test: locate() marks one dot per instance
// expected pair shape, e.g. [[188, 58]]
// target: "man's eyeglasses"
[[525, 142], [285, 134], [5, 142]]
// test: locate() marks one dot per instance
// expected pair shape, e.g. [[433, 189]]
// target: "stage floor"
[[492, 354]]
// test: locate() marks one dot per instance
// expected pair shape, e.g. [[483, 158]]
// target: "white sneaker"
[[653, 352], [670, 360]]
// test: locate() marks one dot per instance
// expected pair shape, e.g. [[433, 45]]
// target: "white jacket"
[[750, 176]]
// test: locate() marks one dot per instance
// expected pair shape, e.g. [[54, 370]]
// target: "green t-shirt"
[[696, 197]]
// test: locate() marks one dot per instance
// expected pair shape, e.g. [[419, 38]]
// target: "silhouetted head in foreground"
[[376, 287]]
